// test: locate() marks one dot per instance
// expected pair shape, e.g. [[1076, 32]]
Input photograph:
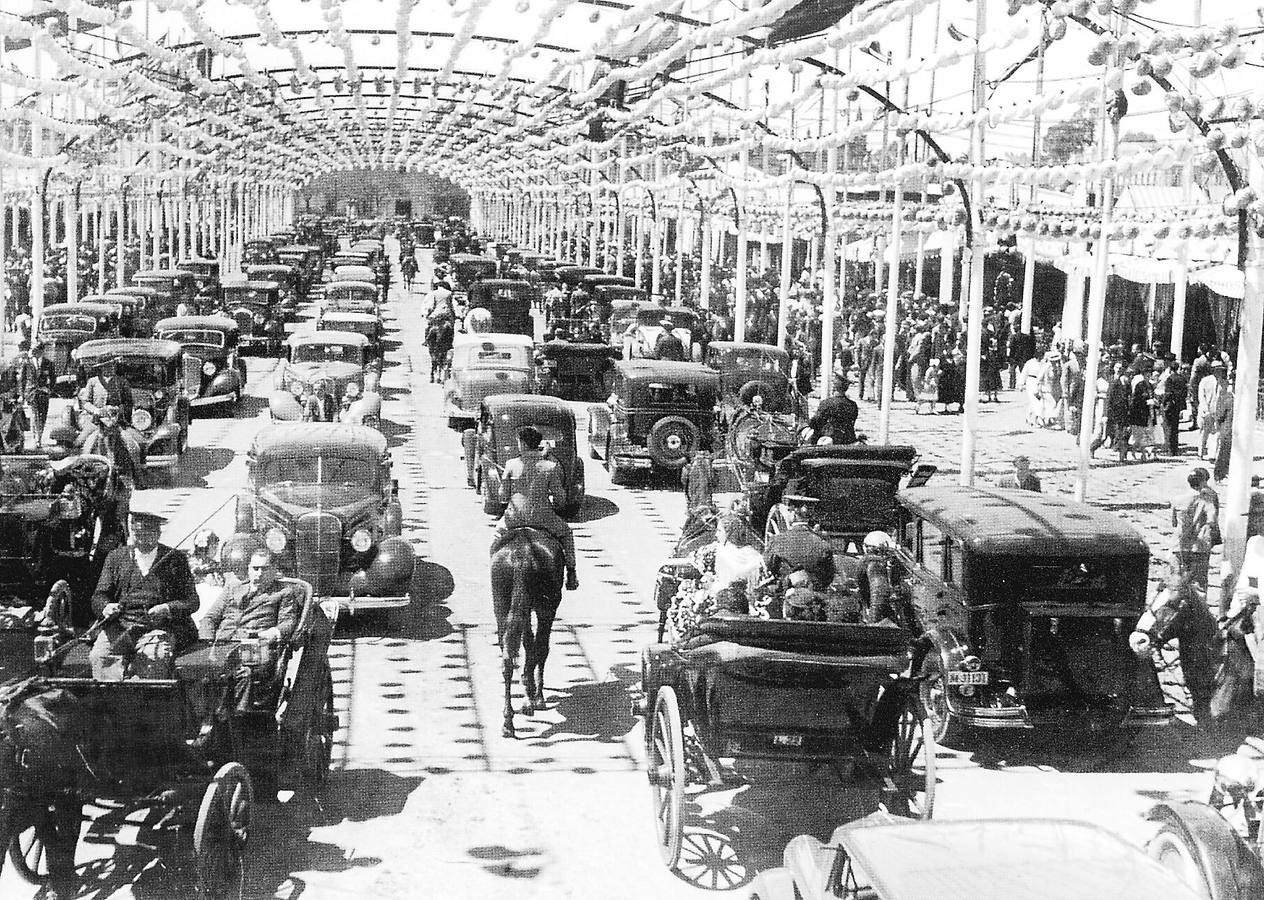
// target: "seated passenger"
[[259, 610], [879, 578], [799, 548], [531, 487], [145, 597]]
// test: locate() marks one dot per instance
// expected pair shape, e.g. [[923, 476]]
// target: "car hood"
[[350, 503]]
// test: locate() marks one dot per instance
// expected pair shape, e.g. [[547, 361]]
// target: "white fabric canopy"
[[1225, 280]]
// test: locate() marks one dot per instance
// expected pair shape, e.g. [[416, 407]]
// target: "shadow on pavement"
[[595, 508], [197, 463], [509, 863]]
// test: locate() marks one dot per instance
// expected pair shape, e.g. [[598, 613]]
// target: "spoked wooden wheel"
[[318, 741], [221, 832], [29, 856], [909, 787], [667, 774]]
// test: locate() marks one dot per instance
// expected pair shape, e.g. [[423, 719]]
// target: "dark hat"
[[146, 517], [799, 499], [24, 345]]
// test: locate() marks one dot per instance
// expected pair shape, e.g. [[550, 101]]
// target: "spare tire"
[[672, 440], [755, 387]]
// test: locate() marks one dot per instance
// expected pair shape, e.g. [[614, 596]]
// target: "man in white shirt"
[[1215, 404]]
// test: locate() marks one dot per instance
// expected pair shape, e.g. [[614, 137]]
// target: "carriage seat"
[[744, 634]]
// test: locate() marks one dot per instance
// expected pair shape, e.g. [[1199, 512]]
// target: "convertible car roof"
[[667, 370], [101, 348], [328, 336], [994, 520], [83, 307], [530, 407], [218, 323]]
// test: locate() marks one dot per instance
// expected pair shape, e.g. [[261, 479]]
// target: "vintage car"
[[206, 273], [308, 259], [659, 413], [261, 251], [763, 369], [64, 326], [575, 371], [484, 364], [493, 441], [885, 857], [286, 278], [367, 324], [424, 233], [854, 487], [572, 276], [339, 358], [133, 312], [321, 497], [344, 258], [256, 308], [175, 285], [214, 374], [1023, 604], [467, 268], [625, 312], [443, 249], [154, 369], [352, 296], [509, 302], [146, 306]]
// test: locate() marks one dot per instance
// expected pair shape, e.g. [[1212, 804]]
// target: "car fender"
[[225, 382], [392, 565], [167, 431], [774, 884], [284, 407], [1234, 871]]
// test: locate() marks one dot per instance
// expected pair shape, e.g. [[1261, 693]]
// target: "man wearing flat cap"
[[146, 596], [799, 548], [667, 345], [1022, 478]]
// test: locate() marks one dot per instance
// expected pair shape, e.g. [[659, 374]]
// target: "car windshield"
[[357, 326], [750, 361], [143, 372], [253, 296], [205, 336], [68, 322], [667, 393], [318, 353], [326, 468]]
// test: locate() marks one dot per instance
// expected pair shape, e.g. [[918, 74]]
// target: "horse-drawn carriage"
[[170, 753], [817, 695]]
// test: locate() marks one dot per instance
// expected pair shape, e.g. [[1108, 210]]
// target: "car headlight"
[[274, 540], [258, 318], [141, 419], [208, 369], [351, 391], [361, 540]]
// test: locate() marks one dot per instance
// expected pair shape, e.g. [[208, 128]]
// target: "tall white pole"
[[974, 317], [71, 216], [829, 266], [787, 257], [893, 314]]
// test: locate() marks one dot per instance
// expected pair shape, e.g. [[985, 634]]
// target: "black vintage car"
[[1023, 604], [574, 371], [308, 259], [64, 326], [659, 413], [321, 497], [286, 279], [175, 286], [493, 441], [214, 373], [160, 408], [509, 302], [256, 308], [147, 305], [260, 251], [467, 268], [207, 274], [573, 276]]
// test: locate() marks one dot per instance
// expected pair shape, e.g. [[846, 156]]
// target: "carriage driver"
[[531, 486], [146, 598]]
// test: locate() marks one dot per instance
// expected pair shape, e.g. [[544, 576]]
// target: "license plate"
[[967, 677], [639, 463], [787, 740]]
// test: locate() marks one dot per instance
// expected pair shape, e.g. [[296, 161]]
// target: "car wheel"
[[672, 440], [932, 693], [1171, 850]]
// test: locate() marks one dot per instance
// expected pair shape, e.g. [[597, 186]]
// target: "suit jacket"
[[668, 346], [35, 377], [237, 611], [316, 410], [169, 583]]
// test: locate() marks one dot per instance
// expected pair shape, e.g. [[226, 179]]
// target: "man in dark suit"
[[146, 596], [1175, 394], [667, 345], [261, 611], [320, 406], [36, 379], [836, 416], [799, 548]]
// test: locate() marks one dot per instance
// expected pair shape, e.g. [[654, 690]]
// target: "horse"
[[526, 576], [1215, 658], [439, 335]]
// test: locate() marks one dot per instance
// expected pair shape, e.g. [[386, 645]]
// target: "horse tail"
[[517, 621]]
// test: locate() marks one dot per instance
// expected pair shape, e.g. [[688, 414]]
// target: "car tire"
[[671, 441], [932, 694]]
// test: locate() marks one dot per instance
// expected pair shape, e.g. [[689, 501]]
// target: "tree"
[[1066, 138]]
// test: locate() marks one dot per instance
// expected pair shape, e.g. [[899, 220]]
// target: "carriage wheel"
[[932, 692], [318, 741], [1170, 849], [221, 832], [909, 787], [29, 856], [667, 774]]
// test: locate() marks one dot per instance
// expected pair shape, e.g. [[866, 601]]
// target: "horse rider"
[[107, 402], [439, 303], [145, 597], [836, 416], [531, 487], [106, 388], [800, 549]]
